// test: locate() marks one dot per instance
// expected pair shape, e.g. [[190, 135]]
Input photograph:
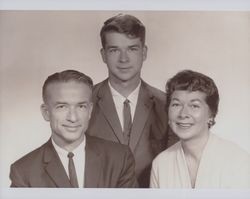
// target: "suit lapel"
[[143, 107], [93, 165], [54, 167], [107, 105]]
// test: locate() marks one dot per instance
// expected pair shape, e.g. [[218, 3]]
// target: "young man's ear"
[[144, 51], [102, 51], [45, 112]]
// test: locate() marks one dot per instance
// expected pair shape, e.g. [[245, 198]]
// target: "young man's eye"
[[112, 50]]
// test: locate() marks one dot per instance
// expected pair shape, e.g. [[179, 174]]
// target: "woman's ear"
[[210, 122], [45, 112]]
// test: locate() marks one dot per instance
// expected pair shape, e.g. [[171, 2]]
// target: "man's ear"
[[144, 52], [102, 51], [45, 112], [90, 109]]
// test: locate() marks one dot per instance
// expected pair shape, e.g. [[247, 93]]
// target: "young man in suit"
[[70, 158], [126, 109]]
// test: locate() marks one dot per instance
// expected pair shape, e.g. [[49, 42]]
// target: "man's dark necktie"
[[127, 121], [72, 171]]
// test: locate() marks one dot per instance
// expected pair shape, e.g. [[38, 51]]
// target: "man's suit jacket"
[[107, 164], [149, 135]]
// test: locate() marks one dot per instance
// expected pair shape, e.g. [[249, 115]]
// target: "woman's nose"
[[184, 112]]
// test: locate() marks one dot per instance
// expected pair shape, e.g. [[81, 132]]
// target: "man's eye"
[[133, 49], [113, 50], [60, 106], [83, 106]]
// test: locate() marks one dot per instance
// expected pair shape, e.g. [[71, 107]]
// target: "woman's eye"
[[175, 105], [195, 106]]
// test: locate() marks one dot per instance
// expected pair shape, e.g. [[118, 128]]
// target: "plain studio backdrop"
[[35, 44]]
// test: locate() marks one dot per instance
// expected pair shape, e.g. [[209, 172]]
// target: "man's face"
[[124, 56], [68, 108]]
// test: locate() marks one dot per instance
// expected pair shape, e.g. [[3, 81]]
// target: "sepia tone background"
[[35, 44]]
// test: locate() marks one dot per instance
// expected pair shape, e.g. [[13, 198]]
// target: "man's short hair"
[[125, 24], [66, 76]]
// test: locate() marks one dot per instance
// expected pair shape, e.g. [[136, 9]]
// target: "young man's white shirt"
[[119, 100]]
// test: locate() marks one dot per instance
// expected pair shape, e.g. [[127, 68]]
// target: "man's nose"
[[72, 115], [123, 56]]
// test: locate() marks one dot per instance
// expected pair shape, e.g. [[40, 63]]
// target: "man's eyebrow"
[[112, 46], [60, 102], [83, 102], [134, 45], [65, 103], [130, 46]]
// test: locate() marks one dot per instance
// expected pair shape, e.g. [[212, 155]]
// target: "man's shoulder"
[[106, 145], [99, 87], [30, 158], [157, 93]]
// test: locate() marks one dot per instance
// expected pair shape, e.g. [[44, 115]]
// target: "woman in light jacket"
[[200, 159]]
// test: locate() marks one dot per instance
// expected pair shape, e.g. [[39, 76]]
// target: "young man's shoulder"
[[154, 91], [99, 87], [107, 147]]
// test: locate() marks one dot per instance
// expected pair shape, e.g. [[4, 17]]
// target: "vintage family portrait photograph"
[[151, 102]]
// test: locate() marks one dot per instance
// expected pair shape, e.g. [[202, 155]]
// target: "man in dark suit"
[[70, 158], [126, 109]]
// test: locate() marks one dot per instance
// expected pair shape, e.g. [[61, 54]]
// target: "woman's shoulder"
[[229, 148], [167, 154]]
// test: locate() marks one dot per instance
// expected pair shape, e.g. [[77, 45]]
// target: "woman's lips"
[[184, 125]]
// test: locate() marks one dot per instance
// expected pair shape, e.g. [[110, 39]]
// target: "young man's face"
[[124, 56], [68, 108]]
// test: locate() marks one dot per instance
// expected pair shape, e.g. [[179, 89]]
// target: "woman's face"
[[189, 114]]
